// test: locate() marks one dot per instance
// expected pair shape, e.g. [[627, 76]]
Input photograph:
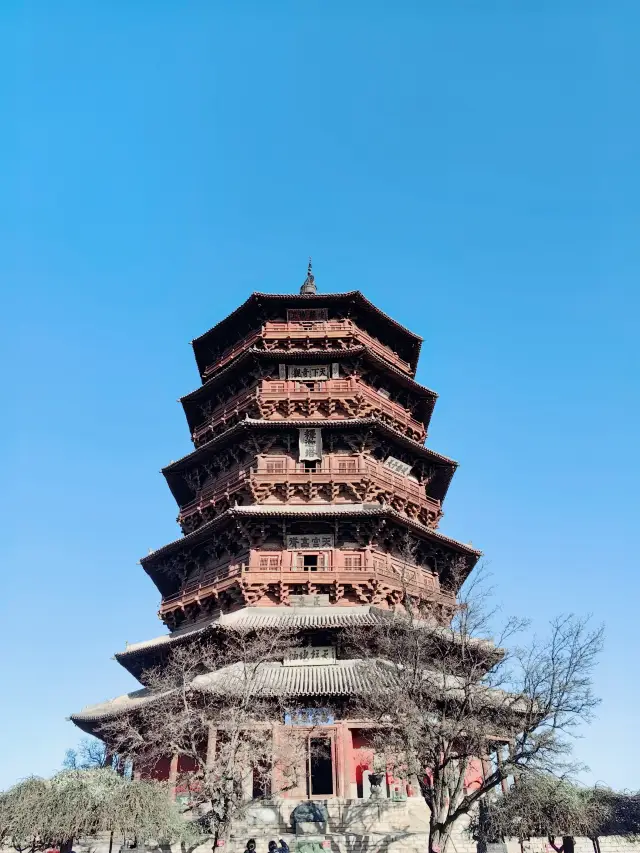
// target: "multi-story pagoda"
[[310, 498]]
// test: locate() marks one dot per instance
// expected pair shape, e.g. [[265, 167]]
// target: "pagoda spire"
[[309, 285]]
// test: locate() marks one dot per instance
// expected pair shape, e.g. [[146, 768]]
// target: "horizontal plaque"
[[307, 315], [310, 717], [310, 655], [309, 371], [397, 465], [310, 542]]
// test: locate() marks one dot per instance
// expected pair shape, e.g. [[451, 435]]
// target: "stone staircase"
[[352, 826]]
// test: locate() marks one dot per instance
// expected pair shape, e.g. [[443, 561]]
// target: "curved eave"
[[437, 489], [294, 511], [254, 301], [139, 657], [344, 678], [221, 376]]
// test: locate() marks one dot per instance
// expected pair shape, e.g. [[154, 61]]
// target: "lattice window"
[[269, 563], [353, 561], [347, 466], [340, 385], [275, 466], [277, 387]]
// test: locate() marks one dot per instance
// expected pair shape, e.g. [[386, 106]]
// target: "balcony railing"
[[290, 400], [282, 566], [331, 469], [331, 330]]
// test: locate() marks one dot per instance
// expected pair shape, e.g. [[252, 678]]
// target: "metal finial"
[[309, 286]]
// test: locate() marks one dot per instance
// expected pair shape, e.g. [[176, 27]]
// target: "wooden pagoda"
[[310, 497]]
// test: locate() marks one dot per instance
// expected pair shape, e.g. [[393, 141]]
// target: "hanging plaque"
[[310, 542], [309, 371], [282, 371], [307, 315], [310, 444], [335, 370], [397, 465], [314, 655]]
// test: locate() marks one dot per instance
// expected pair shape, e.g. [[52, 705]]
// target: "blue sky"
[[472, 167]]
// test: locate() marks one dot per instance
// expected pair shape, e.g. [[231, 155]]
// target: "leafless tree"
[[90, 754], [446, 697], [211, 704]]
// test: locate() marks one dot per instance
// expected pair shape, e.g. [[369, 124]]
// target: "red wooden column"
[[347, 759], [339, 759]]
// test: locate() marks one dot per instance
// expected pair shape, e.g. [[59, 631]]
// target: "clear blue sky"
[[472, 167]]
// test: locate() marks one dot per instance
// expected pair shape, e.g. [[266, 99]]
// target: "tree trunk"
[[439, 838]]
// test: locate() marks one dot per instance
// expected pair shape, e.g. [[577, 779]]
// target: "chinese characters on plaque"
[[309, 372], [310, 444], [310, 655], [307, 315], [310, 542], [310, 717], [397, 466]]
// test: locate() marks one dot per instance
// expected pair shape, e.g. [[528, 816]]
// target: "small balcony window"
[[269, 563]]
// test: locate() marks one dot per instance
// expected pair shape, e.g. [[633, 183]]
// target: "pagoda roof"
[[342, 678], [252, 353], [300, 511], [222, 332], [137, 657], [351, 677], [437, 488]]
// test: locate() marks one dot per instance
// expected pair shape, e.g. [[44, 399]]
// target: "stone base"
[[316, 828]]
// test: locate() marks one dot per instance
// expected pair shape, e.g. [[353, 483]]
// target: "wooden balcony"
[[368, 572], [332, 399], [337, 479], [312, 336]]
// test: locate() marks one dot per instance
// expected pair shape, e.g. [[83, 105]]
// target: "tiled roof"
[[257, 423], [264, 617], [297, 355], [140, 656], [274, 678], [342, 678], [317, 297], [311, 511]]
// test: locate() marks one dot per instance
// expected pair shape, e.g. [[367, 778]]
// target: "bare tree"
[[213, 706], [447, 697], [90, 754]]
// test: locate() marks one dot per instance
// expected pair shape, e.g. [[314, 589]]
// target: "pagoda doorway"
[[321, 780]]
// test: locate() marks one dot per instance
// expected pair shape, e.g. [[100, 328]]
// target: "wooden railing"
[[332, 468], [322, 330], [271, 567], [361, 398], [368, 400]]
